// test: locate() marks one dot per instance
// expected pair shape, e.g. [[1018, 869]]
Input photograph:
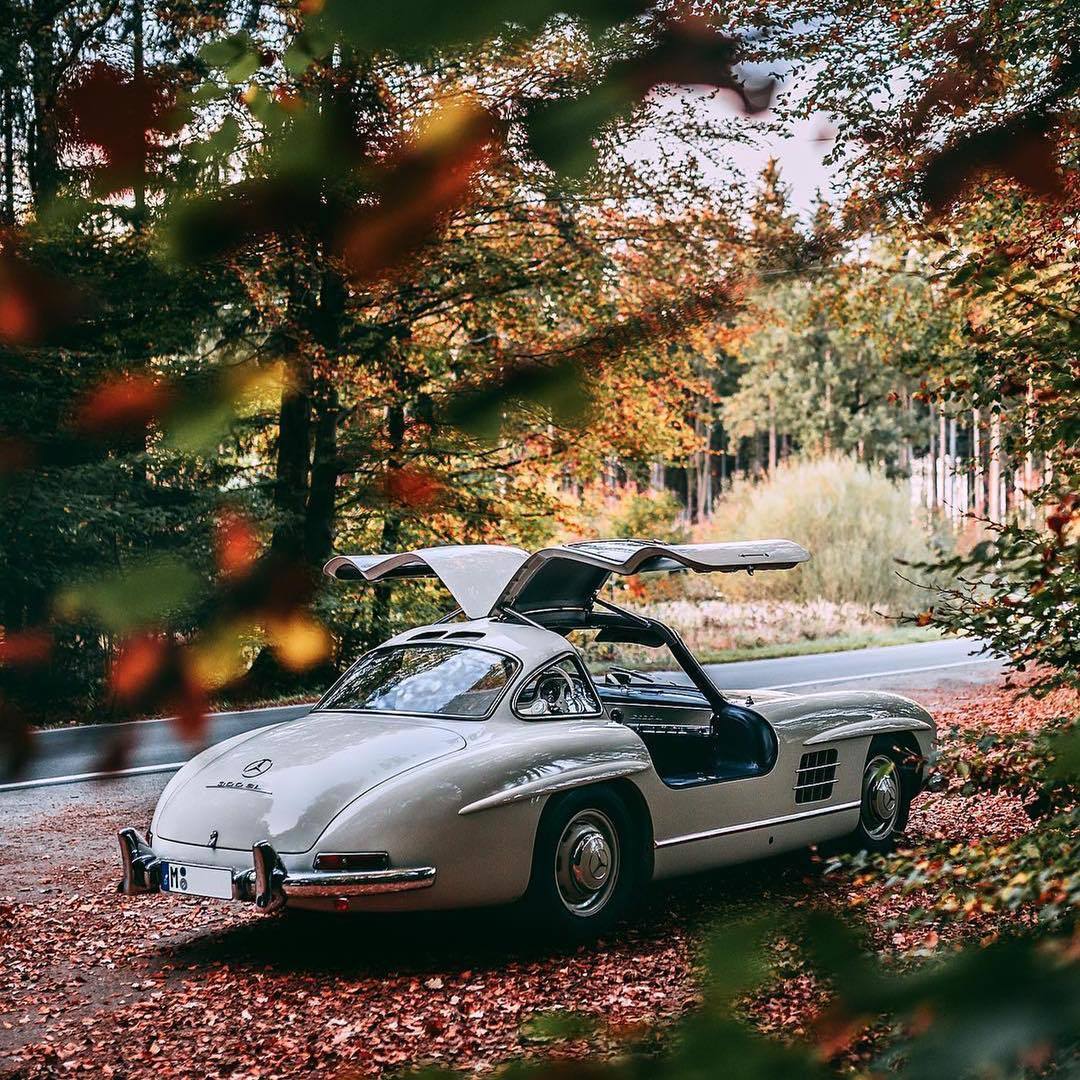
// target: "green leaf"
[[136, 597], [227, 51], [1065, 748], [558, 1026], [243, 68]]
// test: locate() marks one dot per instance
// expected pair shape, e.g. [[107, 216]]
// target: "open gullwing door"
[[474, 574], [569, 576]]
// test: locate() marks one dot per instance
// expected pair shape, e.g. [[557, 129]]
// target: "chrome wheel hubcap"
[[587, 862], [881, 797]]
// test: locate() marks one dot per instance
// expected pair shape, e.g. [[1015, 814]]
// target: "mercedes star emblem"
[[257, 768]]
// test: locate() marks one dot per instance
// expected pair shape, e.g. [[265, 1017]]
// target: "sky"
[[801, 149]]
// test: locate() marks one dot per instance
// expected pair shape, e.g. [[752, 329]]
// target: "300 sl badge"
[[478, 760]]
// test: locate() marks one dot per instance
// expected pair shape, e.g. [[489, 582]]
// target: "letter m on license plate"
[[191, 880]]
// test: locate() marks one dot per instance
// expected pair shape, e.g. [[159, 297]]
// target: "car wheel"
[[586, 863], [884, 805]]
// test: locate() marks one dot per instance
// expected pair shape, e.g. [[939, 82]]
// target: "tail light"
[[354, 860]]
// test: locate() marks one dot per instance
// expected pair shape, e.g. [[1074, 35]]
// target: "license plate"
[[191, 880]]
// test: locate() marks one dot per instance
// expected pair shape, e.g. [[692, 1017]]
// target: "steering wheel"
[[561, 693]]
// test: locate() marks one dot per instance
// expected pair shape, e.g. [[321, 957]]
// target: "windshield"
[[438, 680]]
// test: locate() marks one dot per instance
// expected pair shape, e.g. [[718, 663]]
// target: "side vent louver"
[[816, 776]]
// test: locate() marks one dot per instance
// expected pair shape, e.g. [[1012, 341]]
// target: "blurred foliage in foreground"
[[277, 276]]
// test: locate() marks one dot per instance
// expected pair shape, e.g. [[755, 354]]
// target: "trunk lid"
[[288, 782]]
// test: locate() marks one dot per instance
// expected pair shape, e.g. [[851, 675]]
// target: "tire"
[[587, 864], [886, 800]]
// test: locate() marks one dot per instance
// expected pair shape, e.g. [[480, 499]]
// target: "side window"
[[560, 689]]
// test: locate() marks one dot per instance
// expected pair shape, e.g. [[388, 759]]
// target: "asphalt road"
[[67, 755]]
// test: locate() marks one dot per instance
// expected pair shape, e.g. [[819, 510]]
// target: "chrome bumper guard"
[[268, 884]]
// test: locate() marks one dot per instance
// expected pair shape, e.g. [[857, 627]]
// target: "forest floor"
[[94, 982]]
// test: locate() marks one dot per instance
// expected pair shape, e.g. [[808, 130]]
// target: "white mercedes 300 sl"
[[476, 761]]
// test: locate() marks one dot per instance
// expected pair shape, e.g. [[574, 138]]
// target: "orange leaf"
[[236, 544], [139, 662]]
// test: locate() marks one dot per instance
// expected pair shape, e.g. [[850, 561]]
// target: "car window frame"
[[511, 679], [539, 670]]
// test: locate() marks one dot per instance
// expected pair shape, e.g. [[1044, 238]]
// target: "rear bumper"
[[268, 884]]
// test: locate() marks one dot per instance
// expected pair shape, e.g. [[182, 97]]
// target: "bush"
[[642, 515], [854, 520]]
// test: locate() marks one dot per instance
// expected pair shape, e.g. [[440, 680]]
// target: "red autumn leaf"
[[33, 305], [119, 115], [1058, 521], [1024, 150], [126, 403], [18, 320], [25, 648], [430, 179], [192, 707], [411, 487]]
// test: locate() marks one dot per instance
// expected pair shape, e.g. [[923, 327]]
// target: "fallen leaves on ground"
[[108, 985]]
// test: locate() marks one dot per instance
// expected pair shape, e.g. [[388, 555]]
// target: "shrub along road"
[[64, 755], [152, 986]]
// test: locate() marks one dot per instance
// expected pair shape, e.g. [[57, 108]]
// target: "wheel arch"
[[630, 795], [912, 764]]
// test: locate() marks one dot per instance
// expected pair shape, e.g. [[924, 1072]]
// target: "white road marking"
[[74, 778], [879, 674], [162, 719]]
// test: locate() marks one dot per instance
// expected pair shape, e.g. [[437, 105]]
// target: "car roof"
[[532, 644]]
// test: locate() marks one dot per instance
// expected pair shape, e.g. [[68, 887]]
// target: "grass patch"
[[901, 635]]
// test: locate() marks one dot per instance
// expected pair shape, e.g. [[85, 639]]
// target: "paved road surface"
[[65, 755], [950, 659]]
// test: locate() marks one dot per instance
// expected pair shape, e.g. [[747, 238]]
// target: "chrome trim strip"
[[360, 883], [548, 785], [802, 785], [874, 726], [751, 825]]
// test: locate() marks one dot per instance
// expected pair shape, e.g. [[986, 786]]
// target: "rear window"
[[437, 680]]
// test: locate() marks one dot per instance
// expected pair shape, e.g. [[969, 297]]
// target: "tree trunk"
[[954, 501], [391, 530], [293, 459], [932, 470], [1030, 483], [994, 511], [138, 63], [772, 436], [44, 159], [322, 496], [826, 438], [8, 212], [978, 476], [943, 457], [905, 441]]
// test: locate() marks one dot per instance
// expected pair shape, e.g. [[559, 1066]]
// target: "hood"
[[286, 783]]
